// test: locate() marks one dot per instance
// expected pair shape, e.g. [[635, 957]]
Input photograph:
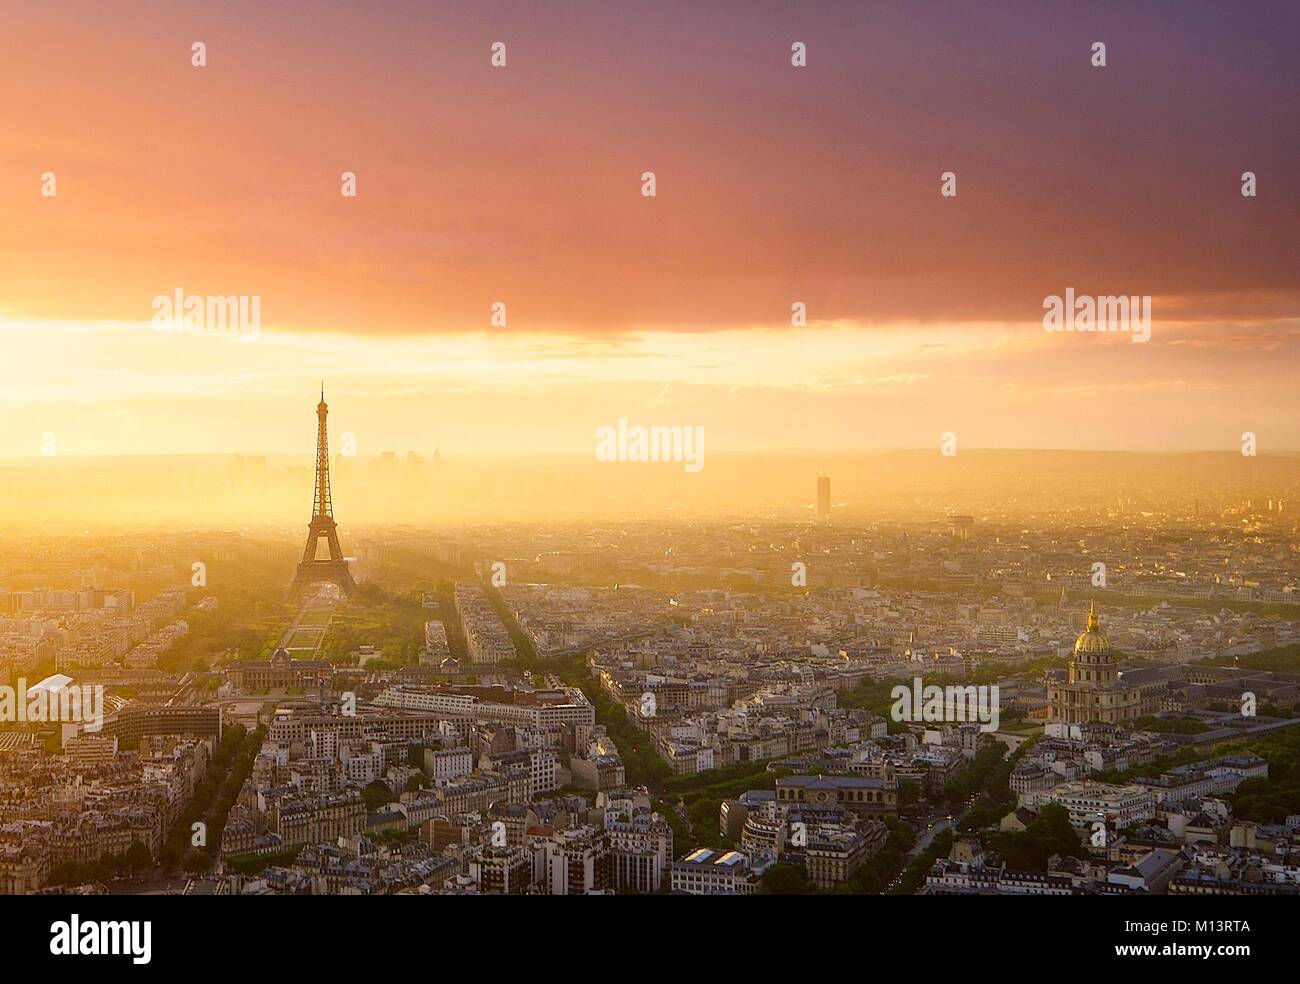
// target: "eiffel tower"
[[335, 569]]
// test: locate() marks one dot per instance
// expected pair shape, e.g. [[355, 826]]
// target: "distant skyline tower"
[[962, 526], [823, 497], [334, 569]]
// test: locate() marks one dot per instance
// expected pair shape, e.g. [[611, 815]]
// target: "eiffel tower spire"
[[321, 503], [333, 570]]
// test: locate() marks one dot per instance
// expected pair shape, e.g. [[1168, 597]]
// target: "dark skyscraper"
[[823, 497]]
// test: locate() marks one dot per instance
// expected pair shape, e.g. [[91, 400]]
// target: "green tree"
[[376, 795], [138, 856], [1050, 833], [784, 879], [198, 862]]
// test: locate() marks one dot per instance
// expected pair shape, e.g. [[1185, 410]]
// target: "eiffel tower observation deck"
[[333, 569]]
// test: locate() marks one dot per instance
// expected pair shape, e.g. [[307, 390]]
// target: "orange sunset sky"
[[522, 185]]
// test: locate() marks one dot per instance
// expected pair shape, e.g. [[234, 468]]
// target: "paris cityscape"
[[837, 450], [1101, 703]]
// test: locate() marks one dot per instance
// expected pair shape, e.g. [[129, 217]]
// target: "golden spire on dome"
[[1092, 616]]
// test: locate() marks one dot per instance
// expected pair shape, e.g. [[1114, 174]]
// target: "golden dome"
[[1091, 640]]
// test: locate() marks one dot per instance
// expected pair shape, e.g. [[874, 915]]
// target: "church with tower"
[[1095, 689]]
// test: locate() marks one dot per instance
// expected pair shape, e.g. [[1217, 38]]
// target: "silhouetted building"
[[823, 497]]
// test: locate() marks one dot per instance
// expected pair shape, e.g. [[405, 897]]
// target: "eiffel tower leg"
[[322, 571], [309, 552], [336, 551]]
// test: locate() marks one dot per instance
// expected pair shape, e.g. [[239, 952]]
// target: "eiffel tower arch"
[[333, 570]]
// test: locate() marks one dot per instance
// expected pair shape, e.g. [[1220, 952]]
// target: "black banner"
[[148, 934]]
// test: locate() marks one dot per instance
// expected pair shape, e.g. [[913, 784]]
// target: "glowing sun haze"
[[522, 185]]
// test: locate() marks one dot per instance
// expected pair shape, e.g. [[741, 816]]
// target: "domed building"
[[1094, 690]]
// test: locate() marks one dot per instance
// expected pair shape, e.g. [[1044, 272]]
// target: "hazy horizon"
[[1045, 487]]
